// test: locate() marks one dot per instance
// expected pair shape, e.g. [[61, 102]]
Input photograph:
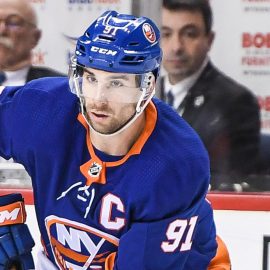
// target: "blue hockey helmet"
[[120, 43]]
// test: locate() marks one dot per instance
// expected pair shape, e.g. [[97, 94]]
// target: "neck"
[[174, 79], [119, 144]]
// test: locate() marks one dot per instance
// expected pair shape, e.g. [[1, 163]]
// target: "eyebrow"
[[19, 16], [166, 28], [186, 26], [123, 77], [116, 76]]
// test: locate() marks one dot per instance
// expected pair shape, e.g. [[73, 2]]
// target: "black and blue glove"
[[16, 242]]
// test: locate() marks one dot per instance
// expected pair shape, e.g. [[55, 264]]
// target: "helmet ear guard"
[[73, 73], [148, 91]]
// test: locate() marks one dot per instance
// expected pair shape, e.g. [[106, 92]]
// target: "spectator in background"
[[224, 113], [18, 36]]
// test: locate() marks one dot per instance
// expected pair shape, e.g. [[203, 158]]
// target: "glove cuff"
[[10, 198], [13, 212]]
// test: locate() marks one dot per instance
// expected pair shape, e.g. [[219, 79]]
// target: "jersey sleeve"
[[28, 112], [183, 241], [7, 123], [19, 120]]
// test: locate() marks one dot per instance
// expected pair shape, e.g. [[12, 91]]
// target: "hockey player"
[[119, 179]]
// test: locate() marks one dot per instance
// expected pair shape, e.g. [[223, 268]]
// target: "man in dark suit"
[[224, 113], [19, 34]]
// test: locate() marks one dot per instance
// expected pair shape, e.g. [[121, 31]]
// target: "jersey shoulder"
[[43, 106], [174, 166], [39, 94], [48, 84], [177, 136], [33, 89]]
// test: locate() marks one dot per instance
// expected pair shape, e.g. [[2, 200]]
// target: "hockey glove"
[[16, 241]]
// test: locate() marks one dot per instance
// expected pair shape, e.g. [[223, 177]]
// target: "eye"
[[116, 83], [191, 33], [165, 34], [91, 79], [14, 21]]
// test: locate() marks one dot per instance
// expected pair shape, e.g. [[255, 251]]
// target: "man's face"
[[110, 99], [184, 43], [18, 34]]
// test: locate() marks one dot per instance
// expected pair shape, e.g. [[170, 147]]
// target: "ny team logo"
[[78, 246], [149, 32]]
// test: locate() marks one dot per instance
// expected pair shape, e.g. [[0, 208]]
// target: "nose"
[[100, 93], [177, 43]]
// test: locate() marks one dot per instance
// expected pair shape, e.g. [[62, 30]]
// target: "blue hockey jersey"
[[146, 208]]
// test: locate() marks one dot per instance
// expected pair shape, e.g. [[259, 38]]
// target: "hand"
[[16, 241]]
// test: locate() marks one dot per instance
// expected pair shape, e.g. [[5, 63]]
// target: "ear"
[[36, 37], [153, 82], [211, 38]]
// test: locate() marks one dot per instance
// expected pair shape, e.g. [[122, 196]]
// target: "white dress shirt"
[[15, 78]]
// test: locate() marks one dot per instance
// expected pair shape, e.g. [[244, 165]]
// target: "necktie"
[[2, 77], [170, 98]]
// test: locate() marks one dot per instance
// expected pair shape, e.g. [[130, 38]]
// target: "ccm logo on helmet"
[[103, 51]]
